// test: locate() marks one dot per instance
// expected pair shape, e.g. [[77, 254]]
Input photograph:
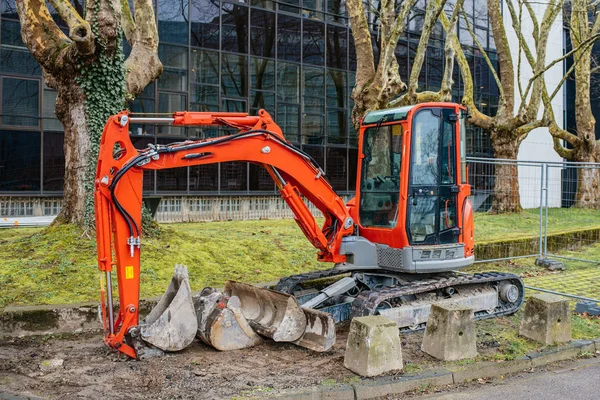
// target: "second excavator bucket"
[[319, 334], [221, 323], [172, 323], [272, 314]]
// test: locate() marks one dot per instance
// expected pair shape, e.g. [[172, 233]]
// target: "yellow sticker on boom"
[[129, 272]]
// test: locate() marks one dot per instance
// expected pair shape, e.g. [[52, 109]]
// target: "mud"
[[91, 370]]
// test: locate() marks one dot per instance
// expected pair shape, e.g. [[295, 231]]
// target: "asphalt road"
[[574, 381]]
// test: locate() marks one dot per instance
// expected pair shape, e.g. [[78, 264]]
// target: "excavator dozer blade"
[[272, 314], [319, 334], [221, 323], [172, 323]]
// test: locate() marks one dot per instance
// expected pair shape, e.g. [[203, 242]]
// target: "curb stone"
[[386, 385]]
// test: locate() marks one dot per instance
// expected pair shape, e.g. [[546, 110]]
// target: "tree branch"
[[143, 65], [449, 53], [476, 117], [505, 62], [365, 68], [434, 8], [127, 22], [80, 31], [484, 53]]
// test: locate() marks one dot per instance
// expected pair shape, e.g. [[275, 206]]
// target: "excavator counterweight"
[[394, 247]]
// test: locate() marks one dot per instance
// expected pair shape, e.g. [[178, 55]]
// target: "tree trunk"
[[70, 110], [506, 178], [588, 182]]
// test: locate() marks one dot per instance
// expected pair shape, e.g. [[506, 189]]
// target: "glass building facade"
[[294, 58]]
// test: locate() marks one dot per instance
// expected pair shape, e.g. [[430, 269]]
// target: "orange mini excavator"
[[395, 247]]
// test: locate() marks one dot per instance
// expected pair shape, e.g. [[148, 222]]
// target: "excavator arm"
[[118, 196]]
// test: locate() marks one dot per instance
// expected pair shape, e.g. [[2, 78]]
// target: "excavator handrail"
[[118, 195]]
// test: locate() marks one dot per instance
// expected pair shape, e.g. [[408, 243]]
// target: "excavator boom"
[[118, 196]]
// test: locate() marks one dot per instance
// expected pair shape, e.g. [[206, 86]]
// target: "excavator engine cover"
[[172, 324], [221, 323]]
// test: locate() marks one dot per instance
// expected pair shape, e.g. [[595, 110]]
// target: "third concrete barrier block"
[[547, 319]]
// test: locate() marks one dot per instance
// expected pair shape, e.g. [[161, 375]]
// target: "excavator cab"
[[412, 198]]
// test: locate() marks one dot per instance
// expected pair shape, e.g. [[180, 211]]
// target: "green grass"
[[490, 228], [58, 265]]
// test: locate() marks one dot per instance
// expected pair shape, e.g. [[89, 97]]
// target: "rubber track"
[[366, 303]]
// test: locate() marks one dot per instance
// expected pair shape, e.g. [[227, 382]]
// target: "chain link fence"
[[561, 200]]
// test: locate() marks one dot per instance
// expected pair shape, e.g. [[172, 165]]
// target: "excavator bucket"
[[221, 323], [272, 314], [319, 334], [172, 323]]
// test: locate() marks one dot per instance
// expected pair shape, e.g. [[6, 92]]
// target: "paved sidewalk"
[[577, 380]]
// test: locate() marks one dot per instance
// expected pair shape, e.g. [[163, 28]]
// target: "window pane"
[[352, 165], [54, 161], [312, 129], [313, 42], [336, 89], [173, 21], [204, 177], [204, 98], [234, 75], [293, 7], [169, 103], [50, 120], [264, 100], [205, 23], [336, 126], [260, 180], [234, 105], [9, 9], [287, 119], [288, 82], [337, 167], [20, 102], [313, 80], [317, 153], [262, 33], [234, 176], [11, 33], [234, 28], [19, 161], [205, 67], [175, 62], [288, 43], [262, 74], [173, 179], [19, 61], [337, 46]]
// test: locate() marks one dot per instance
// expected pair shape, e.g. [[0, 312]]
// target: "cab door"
[[432, 191]]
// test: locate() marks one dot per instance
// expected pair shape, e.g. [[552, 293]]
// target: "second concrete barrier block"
[[547, 319], [450, 333], [373, 346]]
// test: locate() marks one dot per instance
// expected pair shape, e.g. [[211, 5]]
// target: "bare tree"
[[516, 117], [584, 26], [382, 86], [92, 78]]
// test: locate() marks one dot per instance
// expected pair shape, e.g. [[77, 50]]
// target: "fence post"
[[542, 188], [547, 205]]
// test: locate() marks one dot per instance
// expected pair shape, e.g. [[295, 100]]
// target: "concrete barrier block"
[[450, 333], [547, 319], [373, 346]]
